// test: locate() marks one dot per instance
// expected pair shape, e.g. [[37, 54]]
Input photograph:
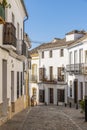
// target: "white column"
[[55, 95], [46, 95]]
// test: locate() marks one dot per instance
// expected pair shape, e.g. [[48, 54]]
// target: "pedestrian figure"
[[32, 101]]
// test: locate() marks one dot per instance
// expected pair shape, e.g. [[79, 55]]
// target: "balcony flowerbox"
[[2, 14]]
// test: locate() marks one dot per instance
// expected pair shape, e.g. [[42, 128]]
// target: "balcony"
[[77, 68], [19, 47], [9, 36], [53, 80], [33, 78], [2, 15], [24, 49], [85, 69], [21, 50], [48, 81]]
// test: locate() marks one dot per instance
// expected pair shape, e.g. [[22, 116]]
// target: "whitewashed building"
[[55, 69], [77, 66], [13, 52], [50, 71]]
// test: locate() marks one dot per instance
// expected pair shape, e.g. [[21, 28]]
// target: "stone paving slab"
[[47, 118]]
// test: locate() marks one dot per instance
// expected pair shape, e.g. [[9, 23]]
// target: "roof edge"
[[22, 1]]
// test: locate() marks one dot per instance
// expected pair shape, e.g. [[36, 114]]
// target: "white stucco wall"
[[13, 64], [31, 86], [56, 61], [71, 37], [81, 78]]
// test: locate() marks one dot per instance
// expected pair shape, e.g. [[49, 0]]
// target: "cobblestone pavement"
[[47, 118]]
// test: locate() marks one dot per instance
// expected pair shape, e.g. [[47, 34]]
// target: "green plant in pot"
[[5, 4], [82, 105]]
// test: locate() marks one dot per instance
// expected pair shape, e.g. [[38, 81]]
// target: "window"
[[34, 72], [43, 54], [60, 74], [70, 88], [41, 74], [18, 30], [81, 56], [70, 58], [75, 57], [29, 64], [50, 53], [51, 73], [17, 84], [85, 56], [13, 19], [61, 52], [21, 33]]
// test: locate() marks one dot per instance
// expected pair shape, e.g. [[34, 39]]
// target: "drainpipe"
[[24, 26]]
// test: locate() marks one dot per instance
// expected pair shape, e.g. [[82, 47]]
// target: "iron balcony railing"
[[9, 34], [80, 68], [53, 79], [2, 13], [33, 78], [24, 49], [19, 47]]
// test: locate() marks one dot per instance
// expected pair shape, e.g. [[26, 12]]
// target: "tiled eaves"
[[60, 43]]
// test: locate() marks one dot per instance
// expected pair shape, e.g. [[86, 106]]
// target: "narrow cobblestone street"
[[47, 118]]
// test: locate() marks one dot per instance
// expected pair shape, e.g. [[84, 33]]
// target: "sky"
[[49, 19]]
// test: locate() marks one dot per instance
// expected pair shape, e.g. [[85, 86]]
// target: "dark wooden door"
[[81, 90], [51, 95], [75, 91], [60, 95], [41, 95]]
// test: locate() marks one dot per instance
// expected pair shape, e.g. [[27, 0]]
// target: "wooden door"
[[51, 95], [60, 95], [75, 91], [41, 95]]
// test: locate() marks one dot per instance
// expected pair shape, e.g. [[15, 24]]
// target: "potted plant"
[[82, 105], [4, 4]]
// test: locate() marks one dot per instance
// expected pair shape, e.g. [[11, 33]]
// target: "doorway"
[[60, 95], [75, 91], [41, 96], [51, 95]]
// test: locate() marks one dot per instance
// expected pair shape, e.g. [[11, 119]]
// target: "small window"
[[43, 54], [18, 30], [21, 33], [50, 54], [85, 56], [13, 18], [61, 52]]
